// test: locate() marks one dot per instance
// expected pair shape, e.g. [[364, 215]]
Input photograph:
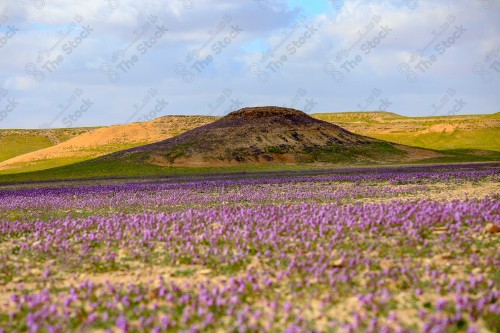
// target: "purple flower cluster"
[[294, 254]]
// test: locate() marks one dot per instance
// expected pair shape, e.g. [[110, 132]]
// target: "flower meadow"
[[403, 249]]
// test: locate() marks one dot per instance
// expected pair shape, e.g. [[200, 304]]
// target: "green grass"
[[487, 139], [464, 155], [275, 150], [339, 154], [382, 116], [134, 167], [355, 116], [177, 151], [62, 161], [184, 272], [18, 144], [124, 169]]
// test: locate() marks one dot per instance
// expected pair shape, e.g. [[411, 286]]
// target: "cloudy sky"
[[99, 62]]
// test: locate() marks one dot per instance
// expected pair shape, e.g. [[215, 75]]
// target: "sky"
[[102, 62]]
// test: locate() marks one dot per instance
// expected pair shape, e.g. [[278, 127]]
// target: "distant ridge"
[[477, 136]]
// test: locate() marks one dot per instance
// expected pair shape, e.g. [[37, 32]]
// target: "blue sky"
[[70, 64], [312, 7]]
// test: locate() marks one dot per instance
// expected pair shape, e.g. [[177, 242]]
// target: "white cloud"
[[189, 29]]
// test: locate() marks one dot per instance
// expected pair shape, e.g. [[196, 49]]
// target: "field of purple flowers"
[[409, 249]]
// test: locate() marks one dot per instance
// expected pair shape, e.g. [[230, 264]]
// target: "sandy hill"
[[102, 141], [262, 135]]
